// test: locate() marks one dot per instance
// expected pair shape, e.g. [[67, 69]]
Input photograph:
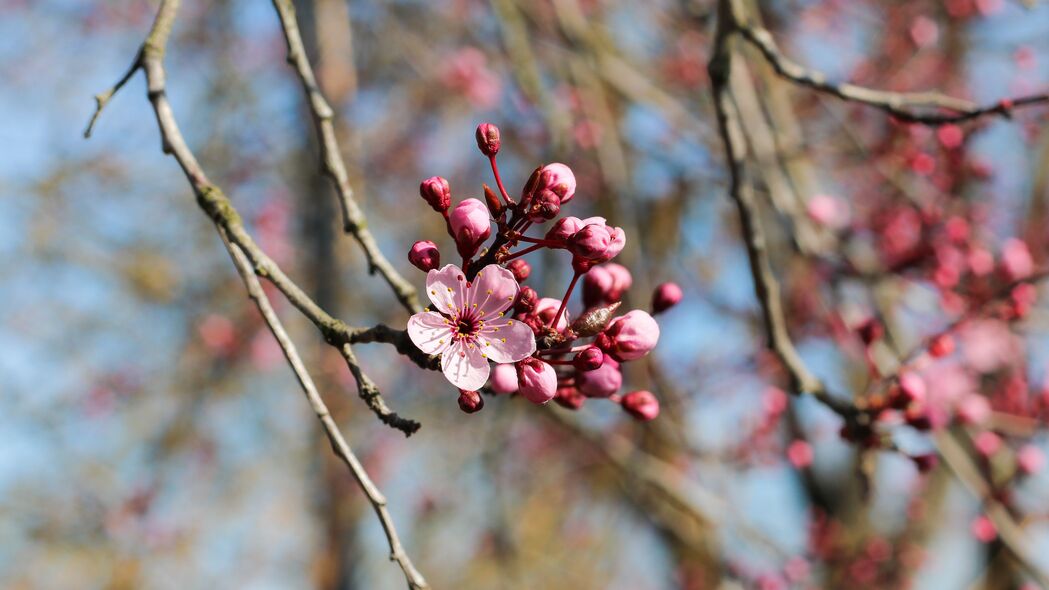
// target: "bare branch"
[[338, 442], [353, 220], [901, 105]]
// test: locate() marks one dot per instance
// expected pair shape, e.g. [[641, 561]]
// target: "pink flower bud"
[[597, 243], [666, 296], [912, 389], [973, 409], [424, 255], [1030, 459], [564, 228], [526, 300], [558, 178], [537, 380], [520, 268], [987, 443], [1016, 260], [503, 379], [436, 192], [569, 397], [983, 529], [799, 453], [470, 401], [642, 405], [828, 211], [471, 226], [601, 382], [544, 207], [941, 346], [588, 359], [488, 139], [631, 336]]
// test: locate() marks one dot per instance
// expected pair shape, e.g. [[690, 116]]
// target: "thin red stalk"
[[499, 182], [564, 302], [521, 253]]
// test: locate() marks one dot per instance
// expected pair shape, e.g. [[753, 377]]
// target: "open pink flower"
[[470, 326]]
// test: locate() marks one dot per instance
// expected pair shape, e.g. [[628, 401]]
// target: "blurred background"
[[152, 435]]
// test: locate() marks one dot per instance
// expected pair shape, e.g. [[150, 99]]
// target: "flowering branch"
[[250, 261]]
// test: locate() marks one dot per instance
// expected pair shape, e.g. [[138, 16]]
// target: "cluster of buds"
[[481, 312]]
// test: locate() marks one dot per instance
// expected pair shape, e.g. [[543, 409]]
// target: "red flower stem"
[[499, 182], [521, 253], [540, 241], [564, 302], [557, 351]]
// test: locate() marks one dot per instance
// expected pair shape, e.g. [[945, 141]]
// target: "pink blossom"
[[799, 453], [437, 193], [471, 226], [950, 136], [606, 284], [981, 261], [470, 326], [1030, 459], [988, 345], [467, 71], [596, 243], [912, 388], [488, 140], [567, 226], [545, 310], [987, 443], [558, 178], [924, 31], [642, 405], [538, 381], [602, 381], [630, 336], [665, 296], [1016, 259], [504, 379], [828, 211], [424, 255], [218, 334], [983, 529], [973, 409]]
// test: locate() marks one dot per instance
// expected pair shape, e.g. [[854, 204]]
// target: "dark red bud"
[[488, 139], [870, 331], [424, 255], [527, 298], [545, 206], [520, 268], [437, 193], [666, 296], [470, 401], [589, 359], [532, 184], [569, 397], [926, 463]]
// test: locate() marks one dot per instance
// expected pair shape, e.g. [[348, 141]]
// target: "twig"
[[338, 442], [901, 105], [766, 287], [222, 212], [353, 220]]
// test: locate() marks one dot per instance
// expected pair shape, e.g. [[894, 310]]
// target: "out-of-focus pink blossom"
[[1030, 459], [924, 31], [988, 345], [950, 136], [1016, 259], [983, 529], [467, 72], [987, 443], [665, 296], [218, 334], [642, 405], [799, 453], [973, 409], [828, 211]]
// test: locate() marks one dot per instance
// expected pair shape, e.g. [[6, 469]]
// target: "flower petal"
[[506, 340], [430, 332], [445, 288], [465, 366], [494, 290]]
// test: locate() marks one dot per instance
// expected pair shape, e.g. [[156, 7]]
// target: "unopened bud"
[[520, 268], [544, 207], [470, 401], [666, 296], [870, 331], [424, 255], [595, 321], [569, 397], [488, 139], [527, 298], [926, 463], [531, 185], [537, 381], [642, 405], [495, 206], [437, 193], [589, 359]]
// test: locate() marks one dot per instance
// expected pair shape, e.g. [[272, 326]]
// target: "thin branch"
[[222, 212], [353, 220], [338, 442], [902, 105], [766, 287]]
